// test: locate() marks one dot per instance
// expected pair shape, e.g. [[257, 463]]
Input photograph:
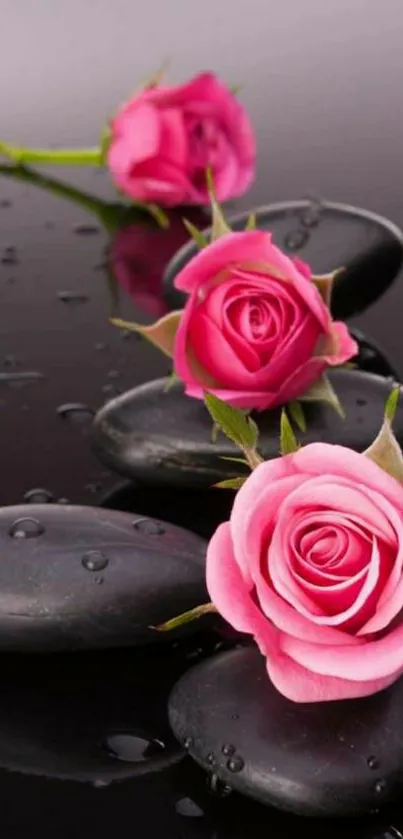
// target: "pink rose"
[[255, 330], [311, 565], [164, 139], [138, 256]]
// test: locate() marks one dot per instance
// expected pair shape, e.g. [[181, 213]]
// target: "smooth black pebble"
[[162, 437], [326, 235], [322, 759], [82, 578]]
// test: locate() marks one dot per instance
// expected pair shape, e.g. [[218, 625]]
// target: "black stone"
[[162, 437], [326, 236], [80, 578], [326, 759]]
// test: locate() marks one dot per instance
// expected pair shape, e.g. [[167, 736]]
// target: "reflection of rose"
[[166, 136], [139, 254]]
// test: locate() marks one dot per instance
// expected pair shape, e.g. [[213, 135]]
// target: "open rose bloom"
[[256, 330], [311, 565], [165, 137]]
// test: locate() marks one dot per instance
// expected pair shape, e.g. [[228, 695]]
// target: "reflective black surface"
[[323, 83]]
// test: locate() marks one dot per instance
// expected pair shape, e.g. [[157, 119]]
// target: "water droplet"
[[228, 750], [188, 742], [94, 561], [26, 528], [10, 361], [235, 717], [86, 229], [38, 496], [296, 239], [133, 748], [72, 297], [109, 388], [311, 216], [5, 202], [9, 259], [75, 411], [188, 808], [380, 786], [373, 762], [93, 488], [218, 788], [149, 527], [211, 758], [235, 764]]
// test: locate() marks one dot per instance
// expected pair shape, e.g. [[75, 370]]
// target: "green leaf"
[[231, 483], [232, 422], [296, 413], [251, 223], [158, 214], [235, 459], [392, 403], [324, 284], [172, 380], [186, 617], [288, 442], [104, 143], [385, 450], [219, 226], [323, 391], [161, 334], [196, 234]]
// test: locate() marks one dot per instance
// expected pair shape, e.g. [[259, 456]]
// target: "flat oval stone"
[[80, 577], [162, 437], [325, 759], [326, 235]]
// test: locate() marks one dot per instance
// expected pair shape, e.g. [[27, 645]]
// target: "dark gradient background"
[[322, 80]]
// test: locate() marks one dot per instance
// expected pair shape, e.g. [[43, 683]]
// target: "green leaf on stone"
[[296, 413], [198, 237], [235, 459], [186, 617], [385, 450], [232, 422], [322, 391], [161, 334], [251, 222], [231, 483], [288, 441], [219, 226], [172, 380]]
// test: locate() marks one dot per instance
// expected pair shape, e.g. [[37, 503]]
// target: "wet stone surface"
[[166, 438], [81, 578], [328, 759]]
